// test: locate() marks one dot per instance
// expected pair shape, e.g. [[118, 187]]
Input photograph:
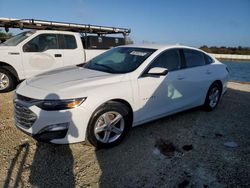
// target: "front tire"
[[7, 81], [109, 125], [213, 97]]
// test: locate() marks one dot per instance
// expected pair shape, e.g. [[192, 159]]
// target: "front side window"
[[41, 43], [194, 58], [120, 59], [169, 59], [17, 39]]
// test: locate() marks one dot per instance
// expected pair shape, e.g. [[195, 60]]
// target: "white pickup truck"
[[49, 45], [36, 51]]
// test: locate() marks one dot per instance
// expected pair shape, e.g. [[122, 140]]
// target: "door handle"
[[180, 78], [208, 72], [58, 55]]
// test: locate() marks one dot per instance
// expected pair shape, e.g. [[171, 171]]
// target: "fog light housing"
[[51, 132], [55, 127]]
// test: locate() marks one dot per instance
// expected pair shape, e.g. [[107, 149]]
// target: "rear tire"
[[7, 81], [109, 125], [213, 97]]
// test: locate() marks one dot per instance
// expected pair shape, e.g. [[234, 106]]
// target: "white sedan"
[[101, 100]]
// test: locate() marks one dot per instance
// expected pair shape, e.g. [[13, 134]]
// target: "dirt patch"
[[187, 147], [183, 184], [26, 163], [165, 147], [218, 135]]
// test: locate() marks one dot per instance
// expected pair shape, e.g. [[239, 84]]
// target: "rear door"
[[196, 76], [41, 54], [72, 50]]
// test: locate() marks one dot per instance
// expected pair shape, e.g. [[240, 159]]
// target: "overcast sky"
[[189, 22]]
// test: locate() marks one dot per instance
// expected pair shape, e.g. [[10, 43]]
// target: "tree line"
[[226, 50]]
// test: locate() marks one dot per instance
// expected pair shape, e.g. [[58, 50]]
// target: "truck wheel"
[[109, 125], [7, 81]]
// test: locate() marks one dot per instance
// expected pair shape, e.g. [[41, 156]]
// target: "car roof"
[[160, 46]]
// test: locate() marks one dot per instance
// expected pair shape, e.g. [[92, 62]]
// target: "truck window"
[[42, 43], [70, 42], [67, 41]]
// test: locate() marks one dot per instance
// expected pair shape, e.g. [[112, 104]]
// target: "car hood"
[[68, 81]]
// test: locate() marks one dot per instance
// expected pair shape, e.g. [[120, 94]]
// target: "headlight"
[[51, 105]]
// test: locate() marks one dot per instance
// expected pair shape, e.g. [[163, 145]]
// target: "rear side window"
[[70, 42], [67, 42], [194, 58], [208, 59], [169, 59]]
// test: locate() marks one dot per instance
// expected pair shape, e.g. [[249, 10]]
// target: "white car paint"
[[149, 97]]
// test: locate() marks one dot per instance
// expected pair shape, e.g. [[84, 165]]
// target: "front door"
[[41, 54], [161, 94]]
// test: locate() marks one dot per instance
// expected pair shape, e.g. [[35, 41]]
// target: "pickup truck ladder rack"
[[51, 25]]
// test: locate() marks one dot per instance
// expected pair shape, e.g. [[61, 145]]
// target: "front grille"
[[23, 116]]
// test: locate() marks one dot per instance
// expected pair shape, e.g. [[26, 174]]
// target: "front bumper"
[[37, 123], [46, 136]]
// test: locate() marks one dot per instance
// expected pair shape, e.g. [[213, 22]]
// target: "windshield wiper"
[[81, 64]]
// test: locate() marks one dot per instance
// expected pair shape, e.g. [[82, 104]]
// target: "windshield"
[[120, 60], [13, 41]]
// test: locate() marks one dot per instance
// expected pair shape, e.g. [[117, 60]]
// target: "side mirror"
[[157, 71]]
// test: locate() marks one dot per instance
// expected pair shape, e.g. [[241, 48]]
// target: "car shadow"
[[53, 164], [136, 163]]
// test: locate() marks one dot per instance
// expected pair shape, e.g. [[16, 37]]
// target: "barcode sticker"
[[138, 53]]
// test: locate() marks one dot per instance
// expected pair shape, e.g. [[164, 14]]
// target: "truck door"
[[73, 52], [41, 54]]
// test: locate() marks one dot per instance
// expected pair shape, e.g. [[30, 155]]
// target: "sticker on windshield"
[[138, 53]]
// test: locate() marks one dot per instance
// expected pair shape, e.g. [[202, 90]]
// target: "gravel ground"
[[184, 150]]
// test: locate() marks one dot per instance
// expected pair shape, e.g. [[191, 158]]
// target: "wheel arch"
[[90, 140], [119, 100], [218, 82], [9, 68], [126, 103]]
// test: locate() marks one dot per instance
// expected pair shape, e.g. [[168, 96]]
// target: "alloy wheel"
[[214, 96], [109, 127], [4, 81]]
